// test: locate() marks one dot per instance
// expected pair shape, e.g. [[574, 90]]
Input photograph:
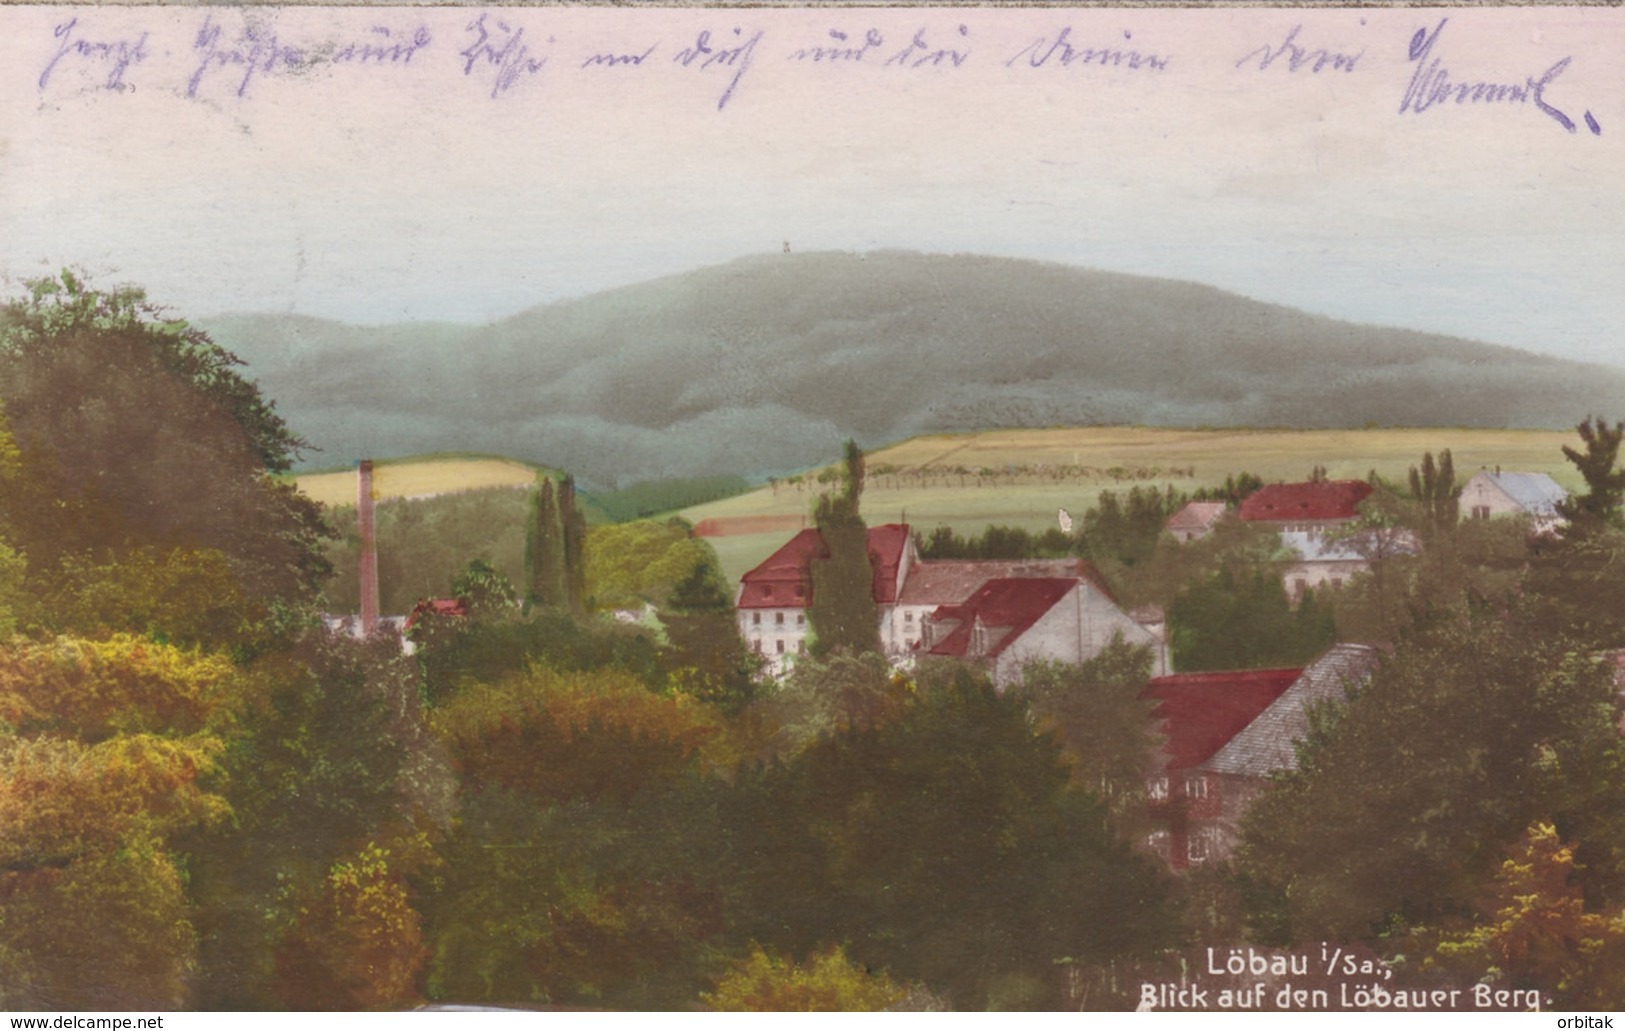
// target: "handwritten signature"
[[119, 53], [1431, 85]]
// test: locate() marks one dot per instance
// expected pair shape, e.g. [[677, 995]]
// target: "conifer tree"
[[573, 537], [544, 549], [843, 612]]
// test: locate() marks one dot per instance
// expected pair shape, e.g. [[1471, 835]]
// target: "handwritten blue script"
[[841, 48], [258, 51], [1431, 84], [1060, 53], [735, 55], [1298, 56], [500, 48], [117, 54], [922, 54]]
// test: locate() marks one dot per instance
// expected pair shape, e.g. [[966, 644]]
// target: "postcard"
[[694, 508]]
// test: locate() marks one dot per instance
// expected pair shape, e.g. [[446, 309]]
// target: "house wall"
[[1075, 630], [779, 634], [1320, 576], [1481, 498]]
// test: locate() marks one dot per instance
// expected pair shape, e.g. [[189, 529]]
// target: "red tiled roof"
[[953, 581], [1203, 711], [1010, 606], [436, 607], [784, 579], [1290, 502]]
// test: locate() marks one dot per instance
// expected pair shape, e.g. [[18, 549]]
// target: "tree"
[[1599, 506], [1581, 574], [113, 405], [485, 590], [544, 548], [109, 756], [573, 540], [1103, 720], [827, 982], [1435, 491], [1536, 931], [946, 846], [1477, 725], [843, 613], [1242, 621]]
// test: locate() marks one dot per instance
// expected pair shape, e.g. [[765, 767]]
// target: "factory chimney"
[[365, 520]]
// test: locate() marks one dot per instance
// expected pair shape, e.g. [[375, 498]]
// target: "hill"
[[765, 364]]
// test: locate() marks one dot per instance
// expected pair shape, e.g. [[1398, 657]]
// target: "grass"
[[418, 478], [1030, 500]]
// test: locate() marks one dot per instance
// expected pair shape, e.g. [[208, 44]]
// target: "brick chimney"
[[365, 520]]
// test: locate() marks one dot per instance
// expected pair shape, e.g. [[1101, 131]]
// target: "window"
[[779, 646], [778, 617], [1299, 586], [756, 619], [1157, 841], [908, 616], [801, 619], [1195, 787], [1198, 847], [1157, 788], [1481, 511], [756, 645], [801, 647]]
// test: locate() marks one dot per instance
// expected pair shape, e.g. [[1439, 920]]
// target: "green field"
[[1022, 477]]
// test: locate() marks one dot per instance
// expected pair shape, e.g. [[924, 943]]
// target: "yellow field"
[[417, 478], [1030, 501]]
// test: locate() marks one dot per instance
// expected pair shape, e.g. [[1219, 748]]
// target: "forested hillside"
[[766, 364]]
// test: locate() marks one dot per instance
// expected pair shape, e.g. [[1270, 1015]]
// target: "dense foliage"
[[210, 801]]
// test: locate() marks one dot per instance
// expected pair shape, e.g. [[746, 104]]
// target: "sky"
[[1393, 166]]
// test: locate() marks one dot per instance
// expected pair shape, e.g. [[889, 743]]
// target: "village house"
[[932, 584], [1010, 622], [1197, 714], [773, 598], [922, 603], [1327, 564], [1227, 733], [1195, 521], [1311, 507], [1535, 495]]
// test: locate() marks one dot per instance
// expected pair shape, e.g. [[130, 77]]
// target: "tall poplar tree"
[[544, 549], [843, 612]]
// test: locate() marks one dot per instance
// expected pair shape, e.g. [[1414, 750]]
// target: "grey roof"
[[1314, 547], [1265, 744], [1536, 493]]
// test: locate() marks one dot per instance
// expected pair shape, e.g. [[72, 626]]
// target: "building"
[[774, 597], [1220, 758], [1323, 564], [1305, 507], [1010, 622], [1017, 622], [1198, 714], [1536, 495], [1195, 521], [932, 584]]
